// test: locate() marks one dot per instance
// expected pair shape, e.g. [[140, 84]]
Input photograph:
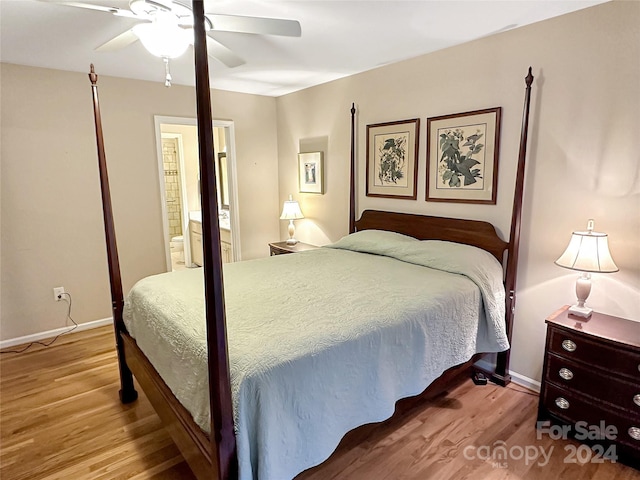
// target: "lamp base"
[[583, 289], [292, 231], [580, 311]]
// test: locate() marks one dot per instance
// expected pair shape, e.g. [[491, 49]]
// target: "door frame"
[[232, 180], [234, 213]]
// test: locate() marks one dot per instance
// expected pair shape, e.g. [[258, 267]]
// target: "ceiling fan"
[[166, 29]]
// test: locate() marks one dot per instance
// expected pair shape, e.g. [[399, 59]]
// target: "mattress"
[[322, 341]]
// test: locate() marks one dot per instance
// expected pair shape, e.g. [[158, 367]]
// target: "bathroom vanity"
[[195, 238]]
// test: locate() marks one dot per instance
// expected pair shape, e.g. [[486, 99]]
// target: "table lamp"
[[291, 211], [587, 252]]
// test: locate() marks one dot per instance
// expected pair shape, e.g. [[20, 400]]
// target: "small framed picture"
[[462, 157], [310, 172], [392, 159]]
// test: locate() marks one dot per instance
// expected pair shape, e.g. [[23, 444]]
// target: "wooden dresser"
[[591, 378]]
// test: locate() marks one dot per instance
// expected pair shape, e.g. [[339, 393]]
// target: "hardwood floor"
[[61, 419]]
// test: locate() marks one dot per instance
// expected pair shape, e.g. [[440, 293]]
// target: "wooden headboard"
[[471, 232]]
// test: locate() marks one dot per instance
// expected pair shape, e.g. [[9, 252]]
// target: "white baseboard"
[[526, 382], [12, 342]]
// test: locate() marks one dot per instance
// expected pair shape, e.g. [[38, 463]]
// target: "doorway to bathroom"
[[179, 175]]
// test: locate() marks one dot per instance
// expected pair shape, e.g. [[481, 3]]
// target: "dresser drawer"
[[606, 357], [583, 379], [572, 408]]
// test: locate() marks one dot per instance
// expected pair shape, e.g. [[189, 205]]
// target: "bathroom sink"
[[225, 224], [196, 216]]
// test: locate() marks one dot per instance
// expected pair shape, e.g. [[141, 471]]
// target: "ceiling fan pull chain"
[[167, 78]]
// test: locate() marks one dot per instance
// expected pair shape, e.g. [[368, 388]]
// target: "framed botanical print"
[[462, 157], [310, 172], [392, 159]]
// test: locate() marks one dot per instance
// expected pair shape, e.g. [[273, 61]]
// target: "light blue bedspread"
[[322, 341]]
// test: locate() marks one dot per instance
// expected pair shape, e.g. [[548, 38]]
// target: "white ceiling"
[[339, 38]]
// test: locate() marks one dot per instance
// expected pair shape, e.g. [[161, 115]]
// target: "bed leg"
[[482, 376], [127, 393]]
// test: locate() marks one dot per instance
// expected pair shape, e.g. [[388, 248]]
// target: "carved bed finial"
[[93, 76], [529, 78]]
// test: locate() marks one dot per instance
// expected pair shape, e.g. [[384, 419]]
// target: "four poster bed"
[[260, 375]]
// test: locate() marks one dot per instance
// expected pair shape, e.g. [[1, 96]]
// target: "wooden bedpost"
[[128, 393], [223, 444], [502, 364], [352, 186]]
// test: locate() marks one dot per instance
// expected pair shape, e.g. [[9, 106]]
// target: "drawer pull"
[[634, 432], [570, 346], [565, 373], [636, 399], [563, 403]]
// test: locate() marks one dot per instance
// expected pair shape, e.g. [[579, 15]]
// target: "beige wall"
[[52, 233], [583, 158]]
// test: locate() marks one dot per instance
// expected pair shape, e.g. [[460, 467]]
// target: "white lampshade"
[[163, 37], [291, 210], [588, 252]]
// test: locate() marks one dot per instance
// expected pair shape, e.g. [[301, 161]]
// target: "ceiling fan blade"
[[216, 50], [116, 43], [256, 25], [121, 12]]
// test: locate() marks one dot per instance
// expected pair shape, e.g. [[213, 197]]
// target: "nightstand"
[[280, 248], [591, 382]]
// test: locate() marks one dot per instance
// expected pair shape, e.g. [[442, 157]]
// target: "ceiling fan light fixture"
[[163, 39]]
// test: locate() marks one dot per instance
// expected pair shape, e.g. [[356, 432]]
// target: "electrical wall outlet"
[[57, 293]]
